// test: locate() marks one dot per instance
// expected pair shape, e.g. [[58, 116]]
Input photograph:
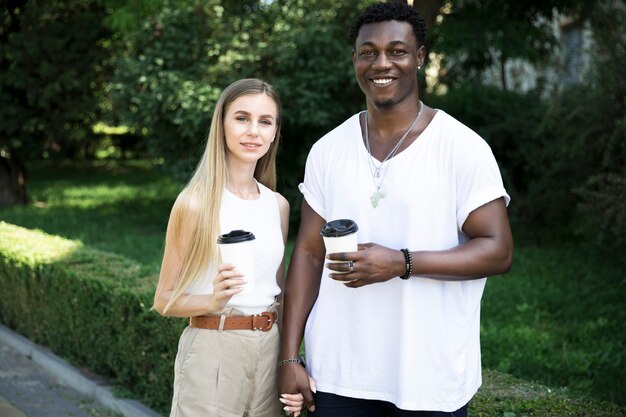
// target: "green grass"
[[116, 207], [505, 396], [557, 318]]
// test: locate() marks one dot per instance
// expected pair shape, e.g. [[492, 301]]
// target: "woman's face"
[[250, 124]]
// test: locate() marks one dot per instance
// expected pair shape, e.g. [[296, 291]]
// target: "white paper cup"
[[237, 247], [340, 236]]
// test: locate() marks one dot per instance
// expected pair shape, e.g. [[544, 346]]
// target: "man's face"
[[385, 62]]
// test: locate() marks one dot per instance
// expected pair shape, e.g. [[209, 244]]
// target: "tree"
[[180, 58], [475, 35], [51, 72]]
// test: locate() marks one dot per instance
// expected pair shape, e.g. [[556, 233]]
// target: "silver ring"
[[351, 266]]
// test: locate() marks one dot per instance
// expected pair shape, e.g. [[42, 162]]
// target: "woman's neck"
[[242, 184]]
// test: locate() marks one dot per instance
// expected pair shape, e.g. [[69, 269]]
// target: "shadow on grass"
[[119, 208]]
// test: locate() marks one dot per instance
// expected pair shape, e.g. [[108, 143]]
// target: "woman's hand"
[[295, 402], [227, 283]]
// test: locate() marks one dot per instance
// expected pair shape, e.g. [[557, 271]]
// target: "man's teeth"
[[382, 80]]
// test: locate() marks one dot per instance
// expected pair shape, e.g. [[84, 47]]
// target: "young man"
[[393, 329]]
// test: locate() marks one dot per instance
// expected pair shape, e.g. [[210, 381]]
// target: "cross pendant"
[[375, 197]]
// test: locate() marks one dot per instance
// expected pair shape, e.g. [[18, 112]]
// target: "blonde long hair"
[[198, 205]]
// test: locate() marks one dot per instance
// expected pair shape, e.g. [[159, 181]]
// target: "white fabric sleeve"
[[478, 180], [311, 188]]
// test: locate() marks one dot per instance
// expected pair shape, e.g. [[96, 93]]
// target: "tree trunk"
[[12, 181], [12, 171], [503, 78]]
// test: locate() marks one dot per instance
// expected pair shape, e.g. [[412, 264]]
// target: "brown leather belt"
[[262, 321]]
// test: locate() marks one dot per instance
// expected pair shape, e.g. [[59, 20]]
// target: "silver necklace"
[[376, 171]]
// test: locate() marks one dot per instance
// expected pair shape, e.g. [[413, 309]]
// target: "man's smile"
[[382, 81]]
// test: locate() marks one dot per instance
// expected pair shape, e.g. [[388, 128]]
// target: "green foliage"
[[477, 35], [508, 122], [311, 68], [558, 318], [179, 60], [90, 307], [505, 33], [161, 84], [604, 192], [51, 74]]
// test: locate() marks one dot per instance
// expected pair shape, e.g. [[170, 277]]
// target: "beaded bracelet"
[[299, 360], [409, 264]]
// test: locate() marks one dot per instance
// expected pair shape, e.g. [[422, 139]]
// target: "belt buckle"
[[270, 321]]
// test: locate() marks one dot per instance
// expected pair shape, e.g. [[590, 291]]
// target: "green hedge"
[[93, 308], [90, 307]]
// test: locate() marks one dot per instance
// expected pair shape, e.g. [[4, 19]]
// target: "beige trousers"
[[230, 373]]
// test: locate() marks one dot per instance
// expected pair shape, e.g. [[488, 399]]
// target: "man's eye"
[[398, 52], [367, 53]]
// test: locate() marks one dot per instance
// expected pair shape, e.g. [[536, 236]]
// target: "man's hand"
[[372, 263], [293, 379]]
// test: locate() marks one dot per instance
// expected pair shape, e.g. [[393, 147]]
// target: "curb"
[[72, 378]]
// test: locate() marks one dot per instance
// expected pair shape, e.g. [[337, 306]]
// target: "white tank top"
[[262, 218]]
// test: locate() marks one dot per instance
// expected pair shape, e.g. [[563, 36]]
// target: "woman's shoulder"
[[283, 210], [283, 204]]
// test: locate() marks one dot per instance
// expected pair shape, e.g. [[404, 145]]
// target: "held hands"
[[294, 378], [372, 263], [227, 283], [294, 403]]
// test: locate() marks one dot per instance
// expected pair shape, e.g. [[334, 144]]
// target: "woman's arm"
[[171, 267]]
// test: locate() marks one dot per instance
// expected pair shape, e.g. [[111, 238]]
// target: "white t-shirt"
[[414, 343], [262, 218]]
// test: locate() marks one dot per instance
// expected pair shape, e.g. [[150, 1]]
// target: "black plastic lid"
[[338, 228], [236, 236]]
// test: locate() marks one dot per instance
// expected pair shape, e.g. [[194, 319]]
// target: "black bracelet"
[[409, 264], [299, 360]]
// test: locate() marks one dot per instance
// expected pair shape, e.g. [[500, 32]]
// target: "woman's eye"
[[266, 122], [241, 119]]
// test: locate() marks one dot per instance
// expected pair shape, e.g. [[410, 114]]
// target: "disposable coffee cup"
[[237, 247], [340, 236]]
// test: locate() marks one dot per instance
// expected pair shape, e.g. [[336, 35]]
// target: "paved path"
[[36, 383]]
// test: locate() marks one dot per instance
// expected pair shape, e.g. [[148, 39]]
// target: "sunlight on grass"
[[88, 197], [34, 246], [119, 207]]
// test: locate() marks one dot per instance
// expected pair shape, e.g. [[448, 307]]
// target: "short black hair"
[[382, 12]]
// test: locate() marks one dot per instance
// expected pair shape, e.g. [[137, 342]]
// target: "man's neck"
[[385, 122]]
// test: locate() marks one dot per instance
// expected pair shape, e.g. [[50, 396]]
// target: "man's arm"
[[301, 290], [489, 251]]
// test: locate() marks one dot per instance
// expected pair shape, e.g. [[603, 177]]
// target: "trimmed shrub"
[[93, 308], [90, 307]]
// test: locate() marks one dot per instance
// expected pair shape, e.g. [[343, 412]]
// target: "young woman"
[[227, 356]]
